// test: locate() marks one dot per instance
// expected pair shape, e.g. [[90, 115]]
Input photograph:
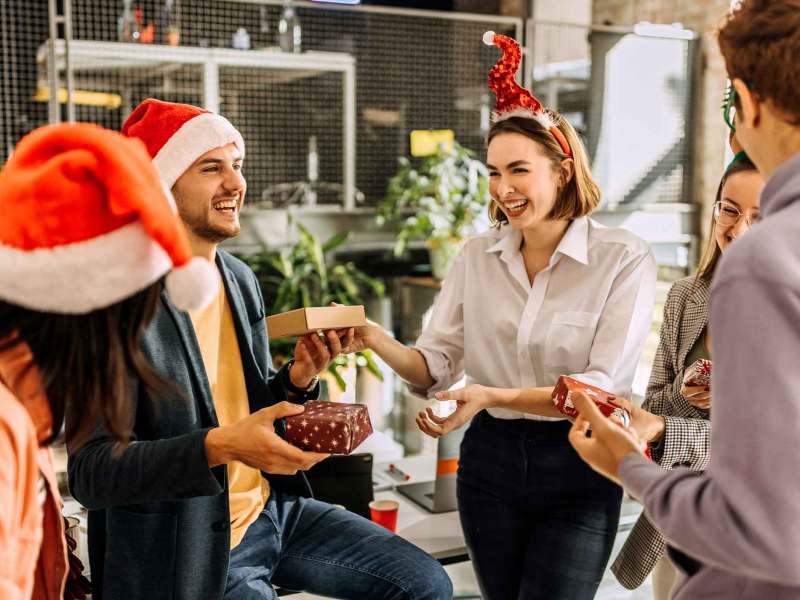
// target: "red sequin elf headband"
[[513, 100]]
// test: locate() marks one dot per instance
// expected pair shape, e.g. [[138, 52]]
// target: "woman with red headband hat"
[[546, 292], [86, 237]]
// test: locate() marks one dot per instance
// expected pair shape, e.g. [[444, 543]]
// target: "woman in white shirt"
[[547, 292]]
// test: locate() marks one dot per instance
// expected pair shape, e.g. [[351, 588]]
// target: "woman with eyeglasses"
[[674, 418]]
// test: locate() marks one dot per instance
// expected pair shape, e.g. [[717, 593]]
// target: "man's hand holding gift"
[[312, 355], [609, 441]]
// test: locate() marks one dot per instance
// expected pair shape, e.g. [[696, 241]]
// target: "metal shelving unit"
[[84, 60]]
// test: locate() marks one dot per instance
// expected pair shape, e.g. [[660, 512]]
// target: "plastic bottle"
[[241, 39]]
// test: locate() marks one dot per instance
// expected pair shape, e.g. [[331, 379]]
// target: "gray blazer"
[[686, 437], [159, 521]]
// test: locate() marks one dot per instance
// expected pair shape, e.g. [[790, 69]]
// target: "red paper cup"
[[384, 512]]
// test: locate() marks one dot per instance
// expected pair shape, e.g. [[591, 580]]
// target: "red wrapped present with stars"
[[331, 427]]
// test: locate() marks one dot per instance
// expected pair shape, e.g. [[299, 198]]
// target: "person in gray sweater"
[[676, 416], [734, 531]]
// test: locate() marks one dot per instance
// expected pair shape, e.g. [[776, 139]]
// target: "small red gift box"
[[699, 373], [331, 427], [566, 386]]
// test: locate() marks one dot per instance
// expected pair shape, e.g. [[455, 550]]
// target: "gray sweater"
[[740, 519]]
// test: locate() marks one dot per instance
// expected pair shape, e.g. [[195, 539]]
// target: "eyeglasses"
[[729, 107], [727, 214]]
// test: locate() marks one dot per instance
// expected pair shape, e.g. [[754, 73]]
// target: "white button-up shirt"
[[586, 314]]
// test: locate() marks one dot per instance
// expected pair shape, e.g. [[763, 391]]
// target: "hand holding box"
[[698, 373], [566, 386], [332, 427]]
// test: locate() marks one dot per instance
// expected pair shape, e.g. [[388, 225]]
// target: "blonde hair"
[[581, 194]]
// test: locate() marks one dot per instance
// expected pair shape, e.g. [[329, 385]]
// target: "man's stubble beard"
[[202, 228]]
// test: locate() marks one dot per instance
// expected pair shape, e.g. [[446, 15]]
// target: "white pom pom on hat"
[[488, 38], [193, 285]]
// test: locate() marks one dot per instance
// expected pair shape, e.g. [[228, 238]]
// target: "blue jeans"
[[538, 522], [304, 544]]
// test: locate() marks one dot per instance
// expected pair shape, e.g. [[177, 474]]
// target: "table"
[[439, 535]]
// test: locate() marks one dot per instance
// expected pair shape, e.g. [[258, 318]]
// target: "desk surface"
[[439, 535]]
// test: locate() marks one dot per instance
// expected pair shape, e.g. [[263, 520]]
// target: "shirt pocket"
[[569, 341]]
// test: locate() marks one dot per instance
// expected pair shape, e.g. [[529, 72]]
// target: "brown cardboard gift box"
[[306, 320], [332, 427]]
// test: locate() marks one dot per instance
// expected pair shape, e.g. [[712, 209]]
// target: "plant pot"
[[442, 254]]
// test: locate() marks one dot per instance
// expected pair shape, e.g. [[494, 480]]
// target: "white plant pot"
[[443, 254]]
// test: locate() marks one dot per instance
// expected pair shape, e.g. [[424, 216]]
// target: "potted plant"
[[302, 276], [446, 194]]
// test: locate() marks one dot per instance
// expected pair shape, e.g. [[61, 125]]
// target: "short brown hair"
[[760, 41], [712, 253], [581, 194]]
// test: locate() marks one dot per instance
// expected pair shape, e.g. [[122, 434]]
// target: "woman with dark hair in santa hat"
[[546, 292], [86, 237]]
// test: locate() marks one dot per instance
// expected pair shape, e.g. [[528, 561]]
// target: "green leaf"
[[371, 365], [334, 370], [336, 241]]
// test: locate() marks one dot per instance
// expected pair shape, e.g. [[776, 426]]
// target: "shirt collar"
[[508, 243], [22, 379], [574, 244]]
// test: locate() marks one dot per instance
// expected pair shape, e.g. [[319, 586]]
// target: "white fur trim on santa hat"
[[193, 285], [85, 276], [544, 119], [195, 137]]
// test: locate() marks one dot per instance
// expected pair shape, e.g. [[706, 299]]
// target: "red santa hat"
[[513, 100], [87, 223], [176, 135]]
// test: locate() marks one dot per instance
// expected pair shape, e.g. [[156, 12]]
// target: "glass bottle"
[[312, 171], [289, 32]]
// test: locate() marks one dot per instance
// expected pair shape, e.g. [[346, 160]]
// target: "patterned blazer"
[[686, 437]]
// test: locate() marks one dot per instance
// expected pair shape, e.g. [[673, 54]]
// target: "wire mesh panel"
[[629, 96], [23, 27], [413, 70]]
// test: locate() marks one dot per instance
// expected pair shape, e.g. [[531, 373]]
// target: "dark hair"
[[581, 194], [760, 41], [712, 253], [86, 362]]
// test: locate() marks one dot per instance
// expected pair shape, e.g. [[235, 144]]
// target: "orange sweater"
[[33, 552]]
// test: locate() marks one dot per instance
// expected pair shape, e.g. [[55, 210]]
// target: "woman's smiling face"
[[741, 194], [521, 179]]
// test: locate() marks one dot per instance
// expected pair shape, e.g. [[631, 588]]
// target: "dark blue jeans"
[[539, 523], [304, 544]]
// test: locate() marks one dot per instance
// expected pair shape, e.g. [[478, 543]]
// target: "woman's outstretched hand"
[[470, 400]]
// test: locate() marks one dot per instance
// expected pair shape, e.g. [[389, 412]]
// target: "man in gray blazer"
[[735, 529], [169, 515]]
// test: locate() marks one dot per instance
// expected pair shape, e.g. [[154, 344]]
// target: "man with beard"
[[207, 502]]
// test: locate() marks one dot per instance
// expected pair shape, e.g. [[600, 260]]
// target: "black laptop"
[[344, 480]]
